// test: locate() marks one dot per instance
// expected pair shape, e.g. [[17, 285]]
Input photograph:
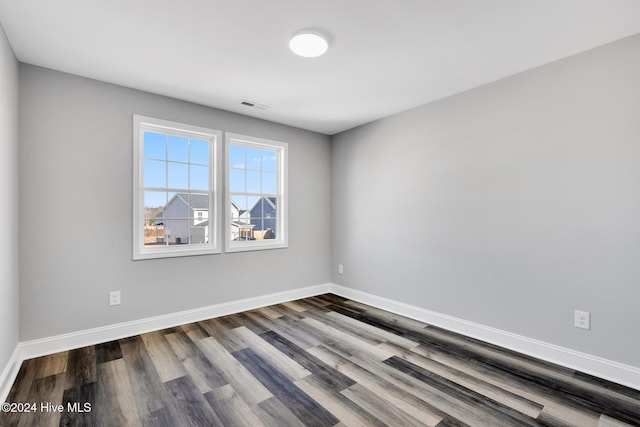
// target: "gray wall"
[[75, 211], [509, 205], [9, 266]]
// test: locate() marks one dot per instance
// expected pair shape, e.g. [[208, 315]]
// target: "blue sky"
[[252, 170], [182, 163], [172, 161]]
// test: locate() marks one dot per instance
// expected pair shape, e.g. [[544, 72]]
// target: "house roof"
[[240, 211], [201, 202], [270, 200], [196, 201]]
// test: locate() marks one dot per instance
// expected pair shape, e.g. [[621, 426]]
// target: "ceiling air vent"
[[252, 104]]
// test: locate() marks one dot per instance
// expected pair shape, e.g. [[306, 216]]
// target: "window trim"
[[140, 252], [282, 194]]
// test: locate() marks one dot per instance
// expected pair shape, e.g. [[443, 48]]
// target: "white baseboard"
[[9, 374], [40, 347], [599, 367], [606, 369]]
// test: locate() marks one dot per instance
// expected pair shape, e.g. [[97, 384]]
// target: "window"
[[256, 193], [174, 189]]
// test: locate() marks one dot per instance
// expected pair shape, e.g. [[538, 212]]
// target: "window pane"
[[270, 221], [174, 172], [253, 203], [177, 231], [257, 226], [236, 181], [178, 175], [153, 227], [198, 203], [199, 152], [238, 203], [263, 180], [155, 173], [240, 219], [268, 160], [253, 182], [256, 217], [253, 159], [269, 183], [199, 234], [201, 217], [199, 177], [154, 200], [255, 208], [154, 236], [178, 149], [236, 157], [241, 233], [155, 146], [245, 216], [269, 207], [177, 205]]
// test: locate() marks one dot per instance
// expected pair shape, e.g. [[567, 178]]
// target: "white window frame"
[[282, 169], [142, 124]]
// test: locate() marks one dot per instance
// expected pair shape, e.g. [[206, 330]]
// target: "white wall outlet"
[[582, 319], [114, 298], [340, 269]]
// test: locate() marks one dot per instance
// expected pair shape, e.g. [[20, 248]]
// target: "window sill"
[[246, 247], [174, 253]]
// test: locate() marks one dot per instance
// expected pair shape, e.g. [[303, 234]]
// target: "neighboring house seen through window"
[[175, 195], [256, 216]]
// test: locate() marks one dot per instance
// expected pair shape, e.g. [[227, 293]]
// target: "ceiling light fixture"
[[309, 44]]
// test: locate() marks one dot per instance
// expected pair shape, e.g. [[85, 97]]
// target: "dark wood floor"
[[319, 361]]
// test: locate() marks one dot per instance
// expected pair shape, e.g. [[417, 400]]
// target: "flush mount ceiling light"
[[309, 44]]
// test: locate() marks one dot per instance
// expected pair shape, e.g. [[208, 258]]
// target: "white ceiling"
[[386, 56]]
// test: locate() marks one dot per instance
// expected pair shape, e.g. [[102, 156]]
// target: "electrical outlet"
[[340, 269], [114, 298], [582, 319]]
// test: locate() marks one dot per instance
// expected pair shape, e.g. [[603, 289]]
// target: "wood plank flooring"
[[321, 361]]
